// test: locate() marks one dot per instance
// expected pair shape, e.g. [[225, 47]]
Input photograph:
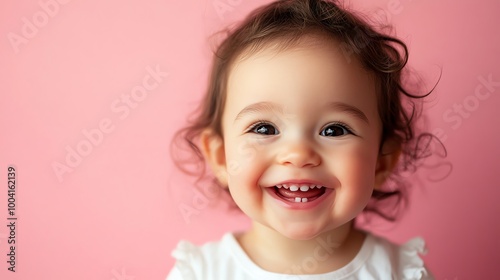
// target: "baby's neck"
[[275, 253]]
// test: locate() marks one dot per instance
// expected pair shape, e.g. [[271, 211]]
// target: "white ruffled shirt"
[[378, 258]]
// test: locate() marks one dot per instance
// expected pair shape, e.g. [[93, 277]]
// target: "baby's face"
[[302, 117]]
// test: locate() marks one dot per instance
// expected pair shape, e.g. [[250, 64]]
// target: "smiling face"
[[301, 138]]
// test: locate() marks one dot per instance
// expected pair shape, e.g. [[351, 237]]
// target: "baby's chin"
[[306, 231], [301, 232]]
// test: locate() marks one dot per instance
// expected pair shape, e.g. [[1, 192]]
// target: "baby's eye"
[[335, 130], [264, 128]]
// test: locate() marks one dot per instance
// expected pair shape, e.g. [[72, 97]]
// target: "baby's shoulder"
[[378, 258], [404, 260], [195, 262], [188, 250]]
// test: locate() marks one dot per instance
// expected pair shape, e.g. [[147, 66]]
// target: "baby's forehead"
[[300, 78], [289, 43], [284, 55]]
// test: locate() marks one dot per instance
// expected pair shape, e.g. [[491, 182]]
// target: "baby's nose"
[[299, 154]]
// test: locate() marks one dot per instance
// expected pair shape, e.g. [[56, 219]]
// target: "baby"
[[303, 123]]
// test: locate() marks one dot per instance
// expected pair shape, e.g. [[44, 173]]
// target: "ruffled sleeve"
[[411, 265], [185, 254]]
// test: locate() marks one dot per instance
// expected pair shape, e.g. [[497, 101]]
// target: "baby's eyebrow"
[[344, 107], [259, 107]]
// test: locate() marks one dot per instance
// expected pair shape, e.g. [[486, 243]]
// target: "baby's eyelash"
[[342, 125], [256, 124]]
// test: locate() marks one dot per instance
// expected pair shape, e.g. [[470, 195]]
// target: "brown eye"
[[335, 131], [265, 129]]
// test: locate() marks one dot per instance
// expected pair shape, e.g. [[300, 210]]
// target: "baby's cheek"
[[239, 158], [244, 188], [356, 162], [248, 153], [356, 176]]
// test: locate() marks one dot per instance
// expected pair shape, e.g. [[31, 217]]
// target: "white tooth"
[[304, 188], [294, 188], [312, 186], [297, 199], [304, 199], [285, 186], [279, 186]]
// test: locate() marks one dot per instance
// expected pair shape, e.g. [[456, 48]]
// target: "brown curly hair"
[[285, 22]]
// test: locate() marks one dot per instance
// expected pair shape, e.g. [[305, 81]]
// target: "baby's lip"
[[301, 182]]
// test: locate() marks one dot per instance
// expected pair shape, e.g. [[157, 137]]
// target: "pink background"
[[117, 215]]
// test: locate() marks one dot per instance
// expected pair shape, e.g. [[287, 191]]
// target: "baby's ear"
[[387, 159], [212, 147]]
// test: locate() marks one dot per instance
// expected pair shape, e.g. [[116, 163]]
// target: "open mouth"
[[300, 193]]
